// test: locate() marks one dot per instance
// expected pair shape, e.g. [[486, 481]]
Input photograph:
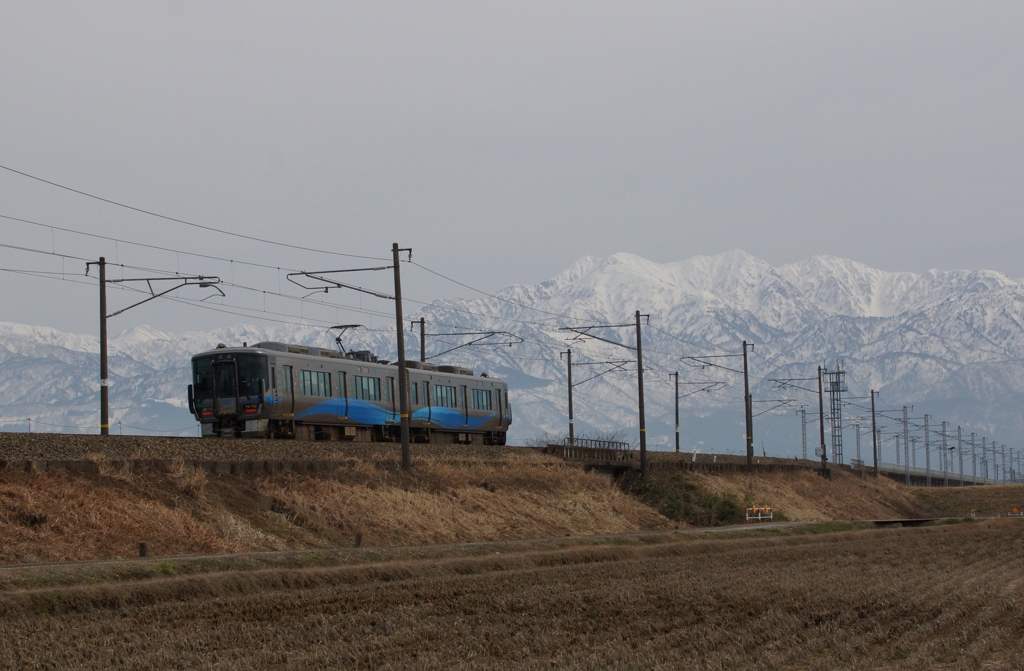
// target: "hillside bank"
[[454, 494]]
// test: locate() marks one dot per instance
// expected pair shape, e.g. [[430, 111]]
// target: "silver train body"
[[276, 390]]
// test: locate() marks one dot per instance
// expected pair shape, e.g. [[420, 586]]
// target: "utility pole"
[[821, 423], [874, 432], [984, 456], [1003, 451], [572, 435], [960, 451], [913, 446], [927, 454], [906, 445], [104, 382], [748, 403], [676, 376], [151, 283], [403, 384], [974, 461], [803, 431], [640, 396], [423, 339], [856, 435], [945, 453]]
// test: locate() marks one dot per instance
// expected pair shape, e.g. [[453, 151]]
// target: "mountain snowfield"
[[950, 343]]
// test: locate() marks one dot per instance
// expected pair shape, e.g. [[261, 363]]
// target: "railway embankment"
[[65, 497], [99, 498]]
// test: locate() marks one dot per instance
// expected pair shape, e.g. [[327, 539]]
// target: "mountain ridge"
[[953, 340]]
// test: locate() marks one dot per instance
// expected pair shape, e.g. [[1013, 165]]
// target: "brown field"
[[939, 597]]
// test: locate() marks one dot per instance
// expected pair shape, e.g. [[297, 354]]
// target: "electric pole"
[[906, 446], [572, 435], [640, 396], [821, 422], [974, 461], [960, 451], [856, 435], [423, 338], [104, 382], [874, 432], [403, 384], [945, 453], [803, 431], [927, 454], [151, 283], [748, 403], [676, 376]]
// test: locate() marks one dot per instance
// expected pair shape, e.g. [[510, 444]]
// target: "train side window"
[[366, 388], [414, 393], [480, 399], [445, 396], [273, 378], [314, 383]]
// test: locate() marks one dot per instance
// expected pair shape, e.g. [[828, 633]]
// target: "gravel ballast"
[[70, 447]]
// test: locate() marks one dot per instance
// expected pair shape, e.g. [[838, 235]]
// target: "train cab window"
[[252, 372], [480, 399], [445, 396], [202, 378], [366, 388], [314, 383]]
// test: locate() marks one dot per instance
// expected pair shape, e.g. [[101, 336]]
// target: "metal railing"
[[594, 443], [937, 475]]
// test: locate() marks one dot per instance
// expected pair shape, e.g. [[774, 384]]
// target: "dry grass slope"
[[62, 516]]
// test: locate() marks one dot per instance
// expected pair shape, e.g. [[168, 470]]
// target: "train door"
[[427, 400], [225, 388], [465, 406], [287, 390], [389, 397], [343, 385]]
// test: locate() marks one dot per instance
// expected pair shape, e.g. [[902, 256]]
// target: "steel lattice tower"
[[836, 387]]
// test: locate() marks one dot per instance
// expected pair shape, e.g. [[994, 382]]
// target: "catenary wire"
[[187, 223]]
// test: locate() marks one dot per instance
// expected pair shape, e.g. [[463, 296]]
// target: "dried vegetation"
[[942, 597], [448, 498]]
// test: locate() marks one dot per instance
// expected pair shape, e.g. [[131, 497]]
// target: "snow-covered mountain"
[[948, 342]]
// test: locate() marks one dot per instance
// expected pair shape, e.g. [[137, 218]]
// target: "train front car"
[[280, 390], [228, 392]]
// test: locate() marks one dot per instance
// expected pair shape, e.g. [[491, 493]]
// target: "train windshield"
[[252, 370], [229, 375]]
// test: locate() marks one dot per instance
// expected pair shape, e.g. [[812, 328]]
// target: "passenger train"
[[277, 390]]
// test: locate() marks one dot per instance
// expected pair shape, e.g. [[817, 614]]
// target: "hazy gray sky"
[[503, 141]]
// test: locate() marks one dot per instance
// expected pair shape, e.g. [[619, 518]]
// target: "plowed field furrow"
[[945, 597]]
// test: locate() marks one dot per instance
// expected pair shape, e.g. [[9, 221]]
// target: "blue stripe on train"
[[364, 412]]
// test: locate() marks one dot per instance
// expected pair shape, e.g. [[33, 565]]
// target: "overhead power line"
[[185, 222]]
